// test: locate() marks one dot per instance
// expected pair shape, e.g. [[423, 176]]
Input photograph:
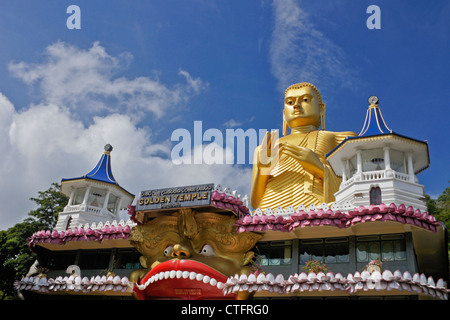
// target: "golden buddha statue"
[[187, 254], [293, 170]]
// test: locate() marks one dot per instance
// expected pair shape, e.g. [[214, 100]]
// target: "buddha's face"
[[187, 244], [301, 107]]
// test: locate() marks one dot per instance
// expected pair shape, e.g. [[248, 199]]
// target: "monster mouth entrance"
[[182, 279]]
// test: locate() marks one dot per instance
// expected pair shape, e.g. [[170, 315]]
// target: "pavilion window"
[[96, 197], [373, 160], [375, 196], [112, 203], [79, 196]]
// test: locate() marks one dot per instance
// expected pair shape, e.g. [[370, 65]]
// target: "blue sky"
[[138, 70]]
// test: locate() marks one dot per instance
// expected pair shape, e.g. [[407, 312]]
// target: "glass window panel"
[[96, 197], [336, 252], [373, 160], [352, 165], [61, 260], [342, 258], [274, 262], [79, 196], [330, 252], [400, 250], [276, 253], [127, 259], [287, 254], [317, 257], [387, 251], [304, 257], [112, 202], [398, 160], [330, 259], [374, 250], [362, 254], [96, 259]]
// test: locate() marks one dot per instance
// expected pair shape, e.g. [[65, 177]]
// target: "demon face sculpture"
[[189, 255]]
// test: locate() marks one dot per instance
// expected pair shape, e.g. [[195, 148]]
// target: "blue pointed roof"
[[374, 123], [102, 171]]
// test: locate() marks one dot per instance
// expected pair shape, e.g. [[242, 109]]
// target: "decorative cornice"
[[289, 219], [365, 281]]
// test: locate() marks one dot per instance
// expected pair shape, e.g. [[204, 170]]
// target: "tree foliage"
[[15, 256], [440, 207]]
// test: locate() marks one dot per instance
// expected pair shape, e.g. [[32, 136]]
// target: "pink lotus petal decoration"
[[320, 217]]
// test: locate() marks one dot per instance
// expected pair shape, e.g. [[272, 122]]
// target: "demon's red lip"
[[184, 279]]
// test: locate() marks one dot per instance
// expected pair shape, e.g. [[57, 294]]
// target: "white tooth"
[[161, 275], [172, 274], [206, 279], [213, 282], [192, 275], [220, 285], [185, 274], [179, 274], [166, 274], [152, 279], [199, 277]]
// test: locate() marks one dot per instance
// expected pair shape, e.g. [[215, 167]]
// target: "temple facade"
[[375, 241]]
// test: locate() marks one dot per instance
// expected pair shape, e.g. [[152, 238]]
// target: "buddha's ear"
[[322, 115]]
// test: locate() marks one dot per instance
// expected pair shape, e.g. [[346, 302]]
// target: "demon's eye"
[[167, 251], [207, 250]]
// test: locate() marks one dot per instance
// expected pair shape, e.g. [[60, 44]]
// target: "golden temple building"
[[333, 216]]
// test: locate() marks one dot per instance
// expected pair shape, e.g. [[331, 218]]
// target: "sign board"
[[177, 197]]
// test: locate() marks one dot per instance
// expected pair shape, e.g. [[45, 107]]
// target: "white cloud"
[[45, 144], [49, 140], [300, 52], [87, 80]]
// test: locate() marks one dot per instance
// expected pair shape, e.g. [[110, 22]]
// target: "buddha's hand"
[[267, 153], [308, 158]]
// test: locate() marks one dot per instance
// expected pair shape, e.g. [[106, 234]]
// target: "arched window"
[[375, 196]]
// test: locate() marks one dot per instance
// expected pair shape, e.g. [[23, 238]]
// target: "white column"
[[358, 161], [410, 167], [105, 204], [118, 207], [86, 195], [387, 158], [71, 197], [344, 171]]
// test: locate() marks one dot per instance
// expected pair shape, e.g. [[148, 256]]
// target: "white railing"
[[402, 176], [91, 209], [374, 175], [378, 175], [73, 208]]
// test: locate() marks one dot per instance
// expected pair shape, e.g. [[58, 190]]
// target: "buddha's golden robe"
[[291, 184]]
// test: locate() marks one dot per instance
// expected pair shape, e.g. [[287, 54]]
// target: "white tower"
[[93, 197], [380, 166]]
